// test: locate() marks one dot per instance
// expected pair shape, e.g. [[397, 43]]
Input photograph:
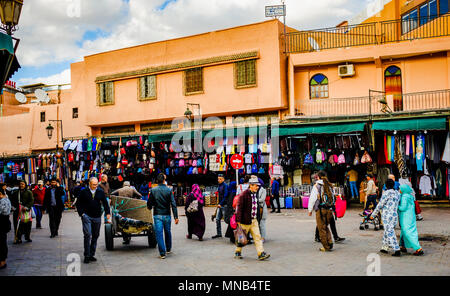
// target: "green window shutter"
[[251, 72]]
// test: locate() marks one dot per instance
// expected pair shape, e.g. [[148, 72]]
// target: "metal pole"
[[284, 22]]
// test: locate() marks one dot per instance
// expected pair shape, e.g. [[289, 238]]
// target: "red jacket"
[[38, 195]]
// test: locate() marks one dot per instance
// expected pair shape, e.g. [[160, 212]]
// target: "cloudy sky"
[[56, 33]]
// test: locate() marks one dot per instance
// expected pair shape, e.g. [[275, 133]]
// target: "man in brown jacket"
[[246, 217], [127, 191]]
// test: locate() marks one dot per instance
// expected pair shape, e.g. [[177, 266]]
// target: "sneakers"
[[263, 256], [237, 255], [384, 251], [168, 252], [92, 259], [162, 256], [397, 254], [419, 252], [339, 239], [28, 240], [86, 260], [216, 236]]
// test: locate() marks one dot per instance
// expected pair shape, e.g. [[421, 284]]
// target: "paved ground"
[[290, 243]]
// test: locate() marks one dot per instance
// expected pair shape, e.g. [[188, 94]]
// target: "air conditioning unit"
[[346, 70]]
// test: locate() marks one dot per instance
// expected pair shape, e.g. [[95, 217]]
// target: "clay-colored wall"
[[219, 97]]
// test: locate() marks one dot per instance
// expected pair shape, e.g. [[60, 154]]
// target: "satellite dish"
[[313, 43], [21, 98], [42, 96]]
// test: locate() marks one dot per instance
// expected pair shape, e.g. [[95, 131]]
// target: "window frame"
[[190, 93], [236, 70], [147, 98], [73, 113], [319, 91], [407, 25], [99, 99]]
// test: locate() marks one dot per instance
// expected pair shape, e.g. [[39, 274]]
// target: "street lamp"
[[49, 129], [10, 13]]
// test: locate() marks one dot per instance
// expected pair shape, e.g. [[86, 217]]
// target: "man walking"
[[89, 207], [127, 191], [161, 199], [38, 195], [246, 217], [104, 185], [53, 204], [275, 195], [222, 206], [322, 202]]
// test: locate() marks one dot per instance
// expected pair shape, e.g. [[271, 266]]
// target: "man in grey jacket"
[[161, 199], [127, 191]]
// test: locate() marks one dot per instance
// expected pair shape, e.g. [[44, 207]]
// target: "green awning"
[[438, 123], [7, 58], [321, 129]]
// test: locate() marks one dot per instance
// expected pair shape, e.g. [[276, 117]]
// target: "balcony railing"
[[438, 100], [367, 34]]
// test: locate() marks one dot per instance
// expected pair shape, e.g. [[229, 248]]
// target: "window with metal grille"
[[245, 73], [147, 87], [42, 116], [319, 86], [105, 93], [193, 81], [74, 112]]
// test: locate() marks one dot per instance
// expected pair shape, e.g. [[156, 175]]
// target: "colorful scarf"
[[196, 192]]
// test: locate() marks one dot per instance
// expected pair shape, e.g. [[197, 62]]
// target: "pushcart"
[[130, 218]]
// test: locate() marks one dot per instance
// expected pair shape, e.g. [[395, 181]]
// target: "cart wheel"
[[109, 237], [366, 226], [151, 237], [361, 227]]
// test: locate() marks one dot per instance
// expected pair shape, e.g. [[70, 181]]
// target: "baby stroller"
[[376, 222]]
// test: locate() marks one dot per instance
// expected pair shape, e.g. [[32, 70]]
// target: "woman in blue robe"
[[409, 238]]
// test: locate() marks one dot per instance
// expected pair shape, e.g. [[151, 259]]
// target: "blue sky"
[[56, 33]]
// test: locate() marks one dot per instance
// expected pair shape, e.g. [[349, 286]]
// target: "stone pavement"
[[290, 243]]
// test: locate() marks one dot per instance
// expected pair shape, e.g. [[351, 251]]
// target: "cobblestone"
[[290, 242]]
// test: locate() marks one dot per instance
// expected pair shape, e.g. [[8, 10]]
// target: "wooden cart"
[[130, 217]]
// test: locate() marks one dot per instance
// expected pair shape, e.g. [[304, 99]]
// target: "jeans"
[[371, 200], [38, 212], [91, 231], [277, 198], [220, 214], [163, 234], [354, 189]]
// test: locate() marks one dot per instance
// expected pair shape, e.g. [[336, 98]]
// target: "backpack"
[[341, 159], [319, 156], [325, 201]]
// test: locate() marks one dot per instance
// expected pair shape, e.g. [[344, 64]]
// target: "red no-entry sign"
[[237, 161]]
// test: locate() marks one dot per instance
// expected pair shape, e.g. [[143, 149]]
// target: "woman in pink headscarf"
[[194, 213]]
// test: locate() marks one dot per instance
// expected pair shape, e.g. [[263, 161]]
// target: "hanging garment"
[[387, 148], [392, 148], [446, 155], [420, 155], [413, 144], [408, 139], [425, 185]]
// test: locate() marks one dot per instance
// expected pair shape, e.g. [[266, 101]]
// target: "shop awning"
[[7, 57], [438, 123], [293, 130]]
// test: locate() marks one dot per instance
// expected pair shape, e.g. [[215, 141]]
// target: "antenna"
[[42, 96], [21, 98]]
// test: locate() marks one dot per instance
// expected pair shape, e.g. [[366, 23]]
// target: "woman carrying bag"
[[194, 213], [22, 201]]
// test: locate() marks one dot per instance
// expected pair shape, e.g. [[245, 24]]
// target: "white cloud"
[[60, 78], [49, 35]]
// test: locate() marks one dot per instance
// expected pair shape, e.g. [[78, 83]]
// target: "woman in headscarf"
[[195, 220], [409, 238], [389, 207]]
